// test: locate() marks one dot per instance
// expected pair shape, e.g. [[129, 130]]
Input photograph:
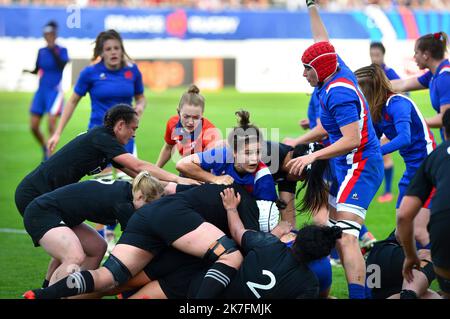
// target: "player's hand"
[[297, 165], [304, 124], [223, 180], [283, 228], [289, 141], [408, 265], [230, 200], [310, 3], [187, 181], [52, 142], [170, 188]]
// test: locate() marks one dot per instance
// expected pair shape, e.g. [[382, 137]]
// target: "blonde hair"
[[150, 187]]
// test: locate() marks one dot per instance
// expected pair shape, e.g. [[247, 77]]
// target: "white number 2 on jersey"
[[253, 285]]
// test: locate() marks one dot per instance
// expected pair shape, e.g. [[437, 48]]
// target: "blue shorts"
[[358, 184], [404, 183], [47, 101]]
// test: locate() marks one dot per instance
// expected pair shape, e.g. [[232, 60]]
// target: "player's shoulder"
[[91, 69], [207, 123], [172, 121], [132, 66]]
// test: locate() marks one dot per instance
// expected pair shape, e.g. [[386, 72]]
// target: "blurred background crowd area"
[[332, 5]]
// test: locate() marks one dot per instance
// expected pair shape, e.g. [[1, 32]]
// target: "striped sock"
[[75, 284], [215, 281]]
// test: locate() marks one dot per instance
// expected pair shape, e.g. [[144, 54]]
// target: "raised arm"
[[69, 108], [318, 29]]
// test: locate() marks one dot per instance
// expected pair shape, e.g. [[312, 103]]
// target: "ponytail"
[[245, 133], [316, 190]]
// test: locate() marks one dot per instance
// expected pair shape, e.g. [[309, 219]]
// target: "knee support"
[[223, 245], [349, 227], [119, 271], [426, 267], [444, 283]]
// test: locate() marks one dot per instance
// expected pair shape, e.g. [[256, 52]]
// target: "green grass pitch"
[[23, 267]]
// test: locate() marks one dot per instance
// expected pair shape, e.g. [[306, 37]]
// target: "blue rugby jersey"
[[342, 103], [108, 88], [50, 74], [439, 85], [390, 72], [398, 109], [259, 184]]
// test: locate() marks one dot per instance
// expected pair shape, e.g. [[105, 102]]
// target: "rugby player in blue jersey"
[[354, 149], [49, 98]]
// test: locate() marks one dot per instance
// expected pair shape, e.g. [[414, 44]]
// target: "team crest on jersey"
[[102, 76], [128, 75]]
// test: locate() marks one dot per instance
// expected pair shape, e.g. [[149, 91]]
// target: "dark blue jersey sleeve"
[[343, 106], [138, 84], [443, 88], [391, 74], [83, 84], [214, 159], [425, 79], [400, 111]]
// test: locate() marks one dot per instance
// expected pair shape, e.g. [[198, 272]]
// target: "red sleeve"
[[170, 126]]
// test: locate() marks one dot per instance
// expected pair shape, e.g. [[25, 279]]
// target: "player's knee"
[[233, 259], [120, 272], [76, 257], [350, 232]]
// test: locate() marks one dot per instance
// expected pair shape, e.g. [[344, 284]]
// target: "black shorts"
[[39, 221], [174, 271], [156, 226], [389, 257], [25, 193], [439, 229]]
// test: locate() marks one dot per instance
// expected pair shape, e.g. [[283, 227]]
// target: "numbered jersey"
[[270, 271]]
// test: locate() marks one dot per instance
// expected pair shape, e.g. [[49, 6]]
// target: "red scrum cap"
[[322, 58]]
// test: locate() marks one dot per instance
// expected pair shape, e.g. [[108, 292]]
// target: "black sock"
[[45, 283], [408, 294], [75, 284], [215, 281]]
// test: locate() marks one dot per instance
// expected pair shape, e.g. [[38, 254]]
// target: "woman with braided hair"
[[400, 120], [429, 53], [354, 148]]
